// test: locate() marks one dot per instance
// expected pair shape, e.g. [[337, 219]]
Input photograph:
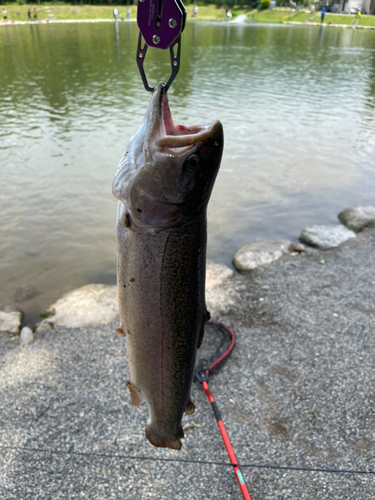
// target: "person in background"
[[115, 13], [35, 15], [195, 11], [128, 11], [29, 14], [323, 14], [5, 15], [357, 17]]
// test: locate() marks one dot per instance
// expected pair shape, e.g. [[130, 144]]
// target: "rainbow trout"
[[163, 184]]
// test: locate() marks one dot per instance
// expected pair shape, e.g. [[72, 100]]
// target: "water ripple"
[[298, 114]]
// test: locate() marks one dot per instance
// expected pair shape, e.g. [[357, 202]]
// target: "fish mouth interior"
[[178, 138]]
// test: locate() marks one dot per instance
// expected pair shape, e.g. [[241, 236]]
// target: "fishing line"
[[186, 461]]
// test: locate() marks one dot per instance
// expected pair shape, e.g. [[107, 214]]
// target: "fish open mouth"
[[177, 138]]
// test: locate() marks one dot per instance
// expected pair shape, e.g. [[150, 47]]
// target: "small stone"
[[260, 253], [356, 218], [25, 292], [299, 248], [192, 426], [27, 336], [325, 237], [10, 319], [217, 273], [43, 327]]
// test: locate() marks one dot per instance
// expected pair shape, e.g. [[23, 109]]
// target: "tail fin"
[[155, 440]]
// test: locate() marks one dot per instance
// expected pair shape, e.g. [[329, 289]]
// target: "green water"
[[297, 104]]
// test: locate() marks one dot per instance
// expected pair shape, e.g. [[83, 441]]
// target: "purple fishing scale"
[[160, 24]]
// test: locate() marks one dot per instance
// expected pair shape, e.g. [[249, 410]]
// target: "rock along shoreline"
[[96, 304]]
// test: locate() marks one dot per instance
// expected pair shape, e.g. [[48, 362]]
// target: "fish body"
[[163, 183]]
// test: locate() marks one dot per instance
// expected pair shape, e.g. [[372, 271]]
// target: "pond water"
[[298, 108]]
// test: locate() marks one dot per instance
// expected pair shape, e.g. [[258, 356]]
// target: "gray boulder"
[[260, 253], [88, 305], [10, 319], [27, 336], [216, 274], [325, 237], [356, 218]]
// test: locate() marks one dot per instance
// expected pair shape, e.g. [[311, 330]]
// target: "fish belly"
[[161, 282]]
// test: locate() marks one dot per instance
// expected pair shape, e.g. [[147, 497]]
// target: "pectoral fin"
[[190, 408], [135, 394]]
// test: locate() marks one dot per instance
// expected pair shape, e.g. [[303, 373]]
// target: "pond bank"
[[58, 21], [330, 25]]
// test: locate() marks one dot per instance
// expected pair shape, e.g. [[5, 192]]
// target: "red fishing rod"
[[222, 338]]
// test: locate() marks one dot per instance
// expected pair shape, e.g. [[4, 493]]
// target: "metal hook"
[[175, 62]]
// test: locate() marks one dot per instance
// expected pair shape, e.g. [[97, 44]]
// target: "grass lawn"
[[205, 13], [280, 16]]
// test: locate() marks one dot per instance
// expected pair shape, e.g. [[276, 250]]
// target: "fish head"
[[167, 172]]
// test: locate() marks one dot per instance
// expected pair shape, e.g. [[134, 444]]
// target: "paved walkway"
[[297, 391]]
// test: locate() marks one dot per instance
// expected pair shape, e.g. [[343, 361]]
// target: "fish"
[[163, 183]]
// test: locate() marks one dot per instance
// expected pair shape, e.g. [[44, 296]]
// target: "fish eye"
[[193, 163]]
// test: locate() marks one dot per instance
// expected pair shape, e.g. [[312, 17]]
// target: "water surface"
[[297, 104]]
